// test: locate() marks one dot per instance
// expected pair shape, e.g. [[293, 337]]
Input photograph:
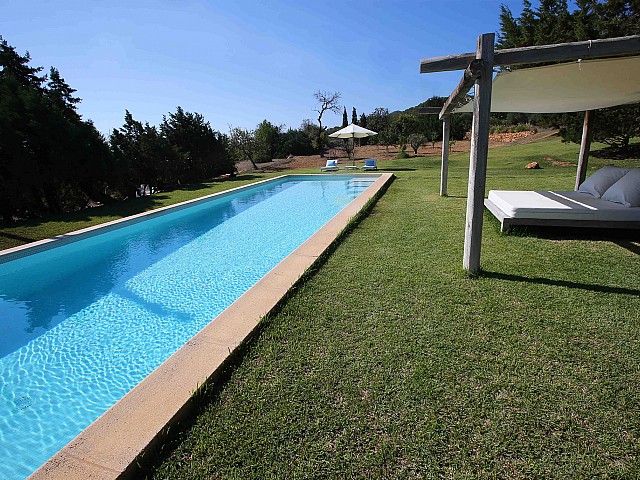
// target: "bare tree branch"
[[326, 101]]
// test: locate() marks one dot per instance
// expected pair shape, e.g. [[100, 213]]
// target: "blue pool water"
[[83, 323]]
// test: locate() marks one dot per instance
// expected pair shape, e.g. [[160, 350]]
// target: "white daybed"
[[560, 209], [610, 198]]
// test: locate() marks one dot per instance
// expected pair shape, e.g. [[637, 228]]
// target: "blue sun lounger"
[[370, 164]]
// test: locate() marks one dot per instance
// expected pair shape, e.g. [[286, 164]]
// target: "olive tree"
[[244, 145], [327, 101]]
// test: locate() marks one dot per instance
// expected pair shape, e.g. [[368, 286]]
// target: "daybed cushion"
[[601, 180], [560, 206], [626, 190]]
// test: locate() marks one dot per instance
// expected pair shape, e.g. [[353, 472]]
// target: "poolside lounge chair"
[[331, 166], [370, 164]]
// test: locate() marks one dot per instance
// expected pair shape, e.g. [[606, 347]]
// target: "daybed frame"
[[507, 221]]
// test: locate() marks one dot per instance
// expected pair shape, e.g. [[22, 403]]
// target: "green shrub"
[[522, 127]]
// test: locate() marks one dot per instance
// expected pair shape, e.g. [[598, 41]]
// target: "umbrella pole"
[[353, 149]]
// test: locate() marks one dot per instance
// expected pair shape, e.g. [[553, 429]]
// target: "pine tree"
[[345, 119], [202, 148], [52, 161], [268, 138], [61, 94], [354, 116], [17, 66], [363, 120], [555, 24]]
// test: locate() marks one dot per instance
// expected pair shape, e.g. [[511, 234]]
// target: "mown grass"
[[12, 235], [390, 362]]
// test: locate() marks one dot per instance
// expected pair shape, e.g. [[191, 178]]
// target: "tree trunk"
[[51, 198], [320, 137], [96, 195]]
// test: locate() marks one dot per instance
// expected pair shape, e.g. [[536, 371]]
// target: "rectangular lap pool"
[[83, 321]]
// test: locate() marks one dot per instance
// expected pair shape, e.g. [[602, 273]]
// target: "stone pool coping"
[[115, 443]]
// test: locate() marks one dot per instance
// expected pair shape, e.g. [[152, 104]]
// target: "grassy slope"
[[390, 363]]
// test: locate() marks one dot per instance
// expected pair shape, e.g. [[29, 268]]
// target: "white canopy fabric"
[[353, 131], [566, 87]]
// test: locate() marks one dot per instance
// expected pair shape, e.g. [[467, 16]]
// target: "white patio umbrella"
[[353, 131]]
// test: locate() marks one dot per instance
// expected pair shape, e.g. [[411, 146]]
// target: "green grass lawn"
[[389, 362], [32, 230]]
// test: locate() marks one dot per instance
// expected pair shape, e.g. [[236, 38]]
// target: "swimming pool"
[[86, 321]]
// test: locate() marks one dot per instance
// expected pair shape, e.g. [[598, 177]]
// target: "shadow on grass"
[[123, 208], [560, 283], [611, 153], [575, 233], [629, 239], [16, 237], [399, 169], [628, 245]]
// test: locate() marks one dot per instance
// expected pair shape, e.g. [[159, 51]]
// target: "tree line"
[[554, 21], [51, 160]]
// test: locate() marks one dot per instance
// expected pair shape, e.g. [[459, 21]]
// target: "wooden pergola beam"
[[608, 47], [459, 95]]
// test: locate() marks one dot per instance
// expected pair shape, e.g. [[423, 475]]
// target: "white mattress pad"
[[560, 205]]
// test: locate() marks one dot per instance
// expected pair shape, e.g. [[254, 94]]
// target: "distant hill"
[[431, 102]]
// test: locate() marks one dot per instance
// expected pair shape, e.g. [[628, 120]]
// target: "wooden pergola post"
[[585, 147], [444, 169], [478, 156]]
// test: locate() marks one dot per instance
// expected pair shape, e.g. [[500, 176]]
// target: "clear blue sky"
[[239, 62]]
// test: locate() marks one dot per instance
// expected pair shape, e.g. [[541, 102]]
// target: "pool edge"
[[113, 445]]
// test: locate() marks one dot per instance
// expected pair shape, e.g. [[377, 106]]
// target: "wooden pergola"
[[478, 72]]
